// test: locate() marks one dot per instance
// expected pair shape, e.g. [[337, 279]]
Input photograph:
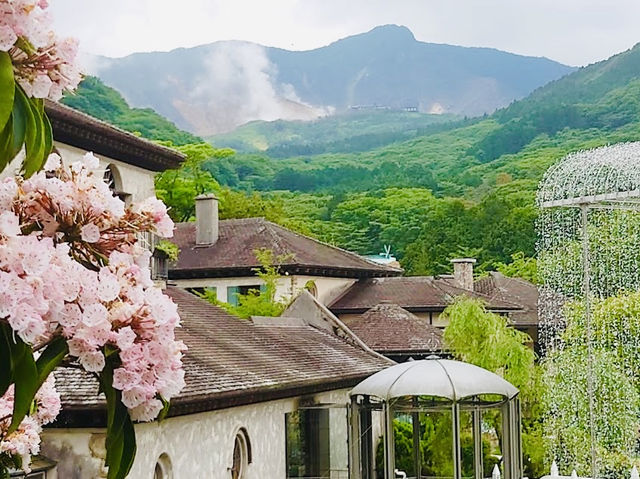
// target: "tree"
[[521, 266], [479, 337], [178, 188], [260, 302]]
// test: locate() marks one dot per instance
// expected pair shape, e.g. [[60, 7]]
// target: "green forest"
[[435, 189]]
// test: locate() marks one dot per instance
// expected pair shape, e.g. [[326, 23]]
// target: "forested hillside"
[[463, 187], [100, 101], [468, 188], [352, 131]]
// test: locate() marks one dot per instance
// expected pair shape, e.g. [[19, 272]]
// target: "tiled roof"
[[413, 293], [515, 290], [233, 253], [233, 361], [83, 131], [387, 328]]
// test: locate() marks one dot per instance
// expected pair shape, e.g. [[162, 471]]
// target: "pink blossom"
[[105, 300], [92, 362], [90, 233], [26, 440], [53, 162], [90, 161], [70, 315], [124, 379], [146, 411], [46, 66], [9, 224], [7, 37], [108, 285], [41, 86], [8, 190]]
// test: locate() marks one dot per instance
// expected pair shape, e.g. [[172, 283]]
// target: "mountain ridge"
[[215, 87]]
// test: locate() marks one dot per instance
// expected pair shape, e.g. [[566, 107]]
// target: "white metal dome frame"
[[433, 385], [604, 178]]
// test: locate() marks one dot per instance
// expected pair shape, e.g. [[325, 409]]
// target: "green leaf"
[[129, 450], [121, 440], [6, 359], [25, 376], [47, 133], [7, 88], [165, 409], [28, 374], [6, 143], [19, 115], [51, 358], [33, 137]]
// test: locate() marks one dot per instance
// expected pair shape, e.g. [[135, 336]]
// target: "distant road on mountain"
[[213, 88]]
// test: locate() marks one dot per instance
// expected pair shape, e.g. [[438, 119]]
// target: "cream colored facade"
[[132, 182], [326, 288], [200, 446]]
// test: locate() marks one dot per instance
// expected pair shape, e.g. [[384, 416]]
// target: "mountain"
[[467, 190], [104, 103], [592, 106], [214, 88]]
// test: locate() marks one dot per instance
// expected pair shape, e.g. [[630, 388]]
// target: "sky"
[[574, 32]]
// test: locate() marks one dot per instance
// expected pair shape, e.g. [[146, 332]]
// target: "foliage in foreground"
[[75, 287]]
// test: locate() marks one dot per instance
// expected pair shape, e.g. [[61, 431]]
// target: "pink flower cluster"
[[43, 64], [25, 441], [70, 265]]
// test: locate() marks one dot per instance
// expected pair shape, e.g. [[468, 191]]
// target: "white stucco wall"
[[288, 286], [136, 181], [200, 446]]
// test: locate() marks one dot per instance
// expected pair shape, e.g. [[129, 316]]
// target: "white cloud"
[[571, 31]]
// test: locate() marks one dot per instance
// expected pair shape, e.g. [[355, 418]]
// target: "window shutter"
[[232, 295]]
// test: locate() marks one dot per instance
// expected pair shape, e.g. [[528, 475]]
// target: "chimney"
[[206, 219], [463, 273]]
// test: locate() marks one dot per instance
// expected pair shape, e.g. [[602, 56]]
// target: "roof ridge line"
[[347, 252]]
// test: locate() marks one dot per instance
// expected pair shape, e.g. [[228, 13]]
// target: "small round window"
[[163, 469], [241, 455]]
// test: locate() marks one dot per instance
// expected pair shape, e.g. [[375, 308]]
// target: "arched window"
[[241, 454], [312, 288], [114, 180], [163, 469]]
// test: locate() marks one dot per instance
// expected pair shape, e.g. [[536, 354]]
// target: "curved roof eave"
[[444, 378]]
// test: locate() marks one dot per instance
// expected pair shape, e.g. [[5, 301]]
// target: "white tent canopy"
[[444, 378]]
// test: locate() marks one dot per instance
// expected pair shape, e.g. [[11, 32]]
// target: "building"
[[396, 333], [130, 162], [221, 255], [424, 296], [516, 290], [265, 398]]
